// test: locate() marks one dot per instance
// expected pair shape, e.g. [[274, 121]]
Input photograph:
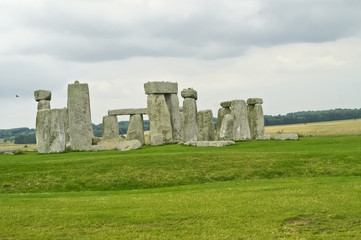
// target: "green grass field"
[[305, 189]]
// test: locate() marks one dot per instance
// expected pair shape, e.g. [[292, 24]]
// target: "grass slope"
[[306, 189]]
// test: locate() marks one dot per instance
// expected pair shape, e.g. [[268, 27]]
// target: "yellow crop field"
[[343, 127]]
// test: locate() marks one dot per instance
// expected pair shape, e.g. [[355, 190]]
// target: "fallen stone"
[[96, 140], [160, 88], [253, 101], [286, 136], [209, 143], [106, 145], [189, 93], [127, 111], [129, 145], [226, 104], [42, 95]]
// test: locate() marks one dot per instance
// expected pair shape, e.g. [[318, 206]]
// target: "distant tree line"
[[27, 135], [313, 116]]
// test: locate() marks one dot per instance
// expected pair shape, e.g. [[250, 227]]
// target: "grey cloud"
[[206, 33]]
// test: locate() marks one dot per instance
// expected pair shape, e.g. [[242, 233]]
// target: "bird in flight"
[[17, 95]]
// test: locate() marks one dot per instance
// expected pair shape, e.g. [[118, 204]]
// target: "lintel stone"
[[161, 88], [42, 95], [127, 111], [253, 101], [226, 104]]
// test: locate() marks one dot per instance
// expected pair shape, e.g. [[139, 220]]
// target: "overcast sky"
[[297, 55]]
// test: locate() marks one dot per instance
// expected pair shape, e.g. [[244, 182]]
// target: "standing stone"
[[136, 129], [206, 125], [221, 113], [80, 125], [110, 127], [241, 131], [190, 130], [43, 104], [256, 118], [226, 132], [175, 117], [50, 130], [159, 118]]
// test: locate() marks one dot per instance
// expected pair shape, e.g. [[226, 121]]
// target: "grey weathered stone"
[[175, 117], [42, 95], [110, 127], [241, 130], [43, 104], [205, 125], [189, 93], [253, 101], [226, 104], [129, 145], [128, 111], [209, 143], [221, 113], [50, 130], [106, 145], [256, 121], [136, 129], [80, 124], [190, 129], [160, 88], [286, 136], [226, 132], [159, 118]]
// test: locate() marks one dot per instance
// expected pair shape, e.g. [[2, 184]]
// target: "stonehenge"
[[163, 112], [57, 129], [80, 124], [190, 127]]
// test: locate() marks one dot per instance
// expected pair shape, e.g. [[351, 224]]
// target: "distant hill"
[[27, 135]]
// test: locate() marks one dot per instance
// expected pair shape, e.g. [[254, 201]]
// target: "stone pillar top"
[[253, 101], [161, 88], [42, 95], [226, 104], [189, 93]]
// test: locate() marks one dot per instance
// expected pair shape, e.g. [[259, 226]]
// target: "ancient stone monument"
[[80, 124], [136, 123], [50, 130], [163, 112], [110, 127], [223, 111], [226, 131], [51, 125], [190, 127], [205, 125], [256, 118], [241, 131]]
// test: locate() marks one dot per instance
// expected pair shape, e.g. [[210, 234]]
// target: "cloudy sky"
[[297, 55]]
